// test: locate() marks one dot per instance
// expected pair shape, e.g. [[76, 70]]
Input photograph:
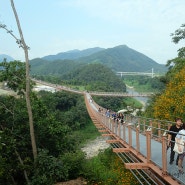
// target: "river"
[[131, 91]]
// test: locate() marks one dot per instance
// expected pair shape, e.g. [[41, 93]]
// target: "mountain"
[[7, 57], [123, 58], [118, 59], [73, 54]]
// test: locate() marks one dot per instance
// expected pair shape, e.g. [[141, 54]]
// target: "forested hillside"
[[55, 68], [96, 77]]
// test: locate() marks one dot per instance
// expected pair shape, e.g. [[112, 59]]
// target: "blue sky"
[[53, 26]]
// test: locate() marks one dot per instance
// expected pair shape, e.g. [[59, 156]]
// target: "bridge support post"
[[164, 155], [137, 139], [159, 130], [144, 124], [116, 128], [129, 135], [124, 134], [151, 127], [110, 125], [148, 144], [119, 130]]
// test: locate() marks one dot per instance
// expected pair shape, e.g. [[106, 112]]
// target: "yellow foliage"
[[171, 103]]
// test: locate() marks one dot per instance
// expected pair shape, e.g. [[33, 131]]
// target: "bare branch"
[[22, 163], [8, 110], [18, 41]]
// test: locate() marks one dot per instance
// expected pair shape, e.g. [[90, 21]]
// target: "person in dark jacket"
[[174, 129]]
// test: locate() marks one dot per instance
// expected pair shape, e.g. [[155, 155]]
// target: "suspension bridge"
[[149, 73], [141, 143]]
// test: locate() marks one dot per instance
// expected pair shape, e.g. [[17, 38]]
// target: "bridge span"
[[141, 143], [94, 93]]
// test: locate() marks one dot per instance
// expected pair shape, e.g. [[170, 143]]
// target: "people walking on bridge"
[[121, 118], [181, 136], [107, 113], [114, 116], [174, 129]]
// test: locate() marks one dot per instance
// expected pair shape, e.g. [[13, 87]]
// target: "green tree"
[[177, 63], [170, 103], [177, 36], [13, 73], [22, 44]]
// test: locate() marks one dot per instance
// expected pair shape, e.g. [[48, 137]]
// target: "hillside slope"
[[56, 68], [96, 77]]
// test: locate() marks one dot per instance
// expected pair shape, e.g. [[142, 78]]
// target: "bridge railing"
[[158, 127]]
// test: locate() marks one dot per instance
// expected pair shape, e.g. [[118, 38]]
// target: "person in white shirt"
[[180, 137]]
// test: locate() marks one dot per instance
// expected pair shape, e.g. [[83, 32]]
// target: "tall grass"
[[107, 169]]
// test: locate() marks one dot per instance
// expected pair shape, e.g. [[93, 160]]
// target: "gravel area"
[[94, 147], [91, 149], [78, 181]]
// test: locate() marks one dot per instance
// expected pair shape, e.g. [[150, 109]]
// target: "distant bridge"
[[120, 94], [151, 74]]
